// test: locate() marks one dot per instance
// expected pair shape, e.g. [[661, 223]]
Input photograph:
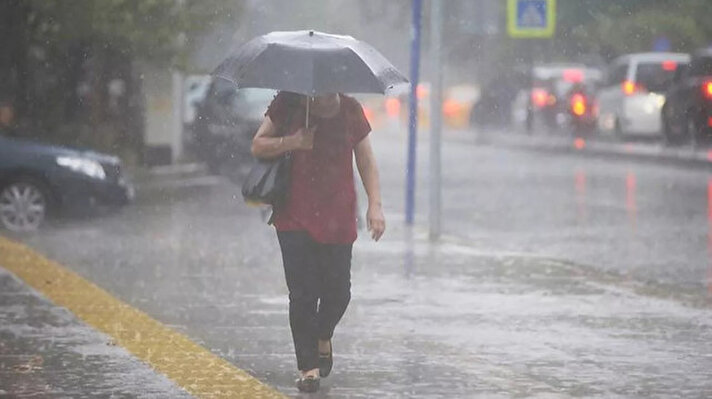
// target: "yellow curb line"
[[188, 364]]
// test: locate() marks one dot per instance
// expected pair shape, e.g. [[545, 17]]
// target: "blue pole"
[[413, 112]]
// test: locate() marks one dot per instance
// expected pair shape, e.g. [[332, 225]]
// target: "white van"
[[634, 92]]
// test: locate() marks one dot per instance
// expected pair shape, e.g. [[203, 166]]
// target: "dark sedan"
[[687, 113], [38, 178]]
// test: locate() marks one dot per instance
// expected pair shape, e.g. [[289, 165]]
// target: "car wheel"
[[669, 136], [23, 205], [673, 135], [696, 130], [618, 130], [691, 131]]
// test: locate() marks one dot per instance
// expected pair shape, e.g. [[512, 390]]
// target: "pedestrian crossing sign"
[[531, 18]]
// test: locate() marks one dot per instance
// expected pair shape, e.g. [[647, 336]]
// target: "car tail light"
[[707, 89], [578, 104], [540, 97], [630, 88], [451, 107]]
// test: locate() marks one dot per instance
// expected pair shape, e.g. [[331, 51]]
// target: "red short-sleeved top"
[[322, 196]]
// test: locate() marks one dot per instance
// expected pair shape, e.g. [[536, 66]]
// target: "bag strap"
[[281, 132]]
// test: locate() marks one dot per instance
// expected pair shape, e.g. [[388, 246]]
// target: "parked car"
[[194, 91], [687, 113], [547, 103], [226, 122], [581, 118], [36, 179], [634, 93], [493, 107]]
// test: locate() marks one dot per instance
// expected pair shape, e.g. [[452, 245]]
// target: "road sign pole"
[[529, 54], [436, 99], [413, 112]]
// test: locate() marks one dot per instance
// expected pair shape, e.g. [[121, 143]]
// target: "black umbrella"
[[310, 63]]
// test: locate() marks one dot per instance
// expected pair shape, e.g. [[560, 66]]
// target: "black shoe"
[[326, 362], [308, 384]]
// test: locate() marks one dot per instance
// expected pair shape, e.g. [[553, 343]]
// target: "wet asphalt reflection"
[[638, 219]]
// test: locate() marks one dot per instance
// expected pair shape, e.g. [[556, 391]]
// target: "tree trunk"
[[13, 53]]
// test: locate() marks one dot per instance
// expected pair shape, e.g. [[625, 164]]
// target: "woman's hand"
[[376, 222], [366, 163], [304, 138]]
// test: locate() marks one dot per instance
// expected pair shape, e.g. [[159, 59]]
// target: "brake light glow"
[[393, 107], [578, 104], [540, 97], [579, 143], [709, 121], [630, 87], [451, 107], [368, 113], [669, 65], [707, 89], [421, 91]]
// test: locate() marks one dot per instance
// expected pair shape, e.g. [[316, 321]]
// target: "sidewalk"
[[426, 321], [46, 352]]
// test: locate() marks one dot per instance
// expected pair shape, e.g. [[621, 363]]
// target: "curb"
[[657, 153], [186, 182], [178, 170], [165, 174], [174, 171]]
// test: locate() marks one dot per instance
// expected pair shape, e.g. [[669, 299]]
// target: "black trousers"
[[319, 281]]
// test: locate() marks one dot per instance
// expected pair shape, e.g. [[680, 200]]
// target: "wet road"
[[485, 314], [651, 222]]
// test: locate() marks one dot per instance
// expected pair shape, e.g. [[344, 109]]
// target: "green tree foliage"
[[614, 27], [156, 31], [60, 59]]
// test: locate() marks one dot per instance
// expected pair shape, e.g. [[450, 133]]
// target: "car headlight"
[[84, 166]]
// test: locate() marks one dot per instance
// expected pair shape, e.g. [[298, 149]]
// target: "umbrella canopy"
[[311, 63]]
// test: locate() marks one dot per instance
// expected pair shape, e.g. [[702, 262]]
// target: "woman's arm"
[[266, 145], [366, 164]]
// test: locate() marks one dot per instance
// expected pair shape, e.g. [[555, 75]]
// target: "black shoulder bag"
[[268, 180]]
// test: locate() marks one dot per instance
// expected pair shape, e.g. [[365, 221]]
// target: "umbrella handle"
[[308, 101]]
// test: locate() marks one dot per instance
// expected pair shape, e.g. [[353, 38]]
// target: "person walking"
[[316, 227]]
